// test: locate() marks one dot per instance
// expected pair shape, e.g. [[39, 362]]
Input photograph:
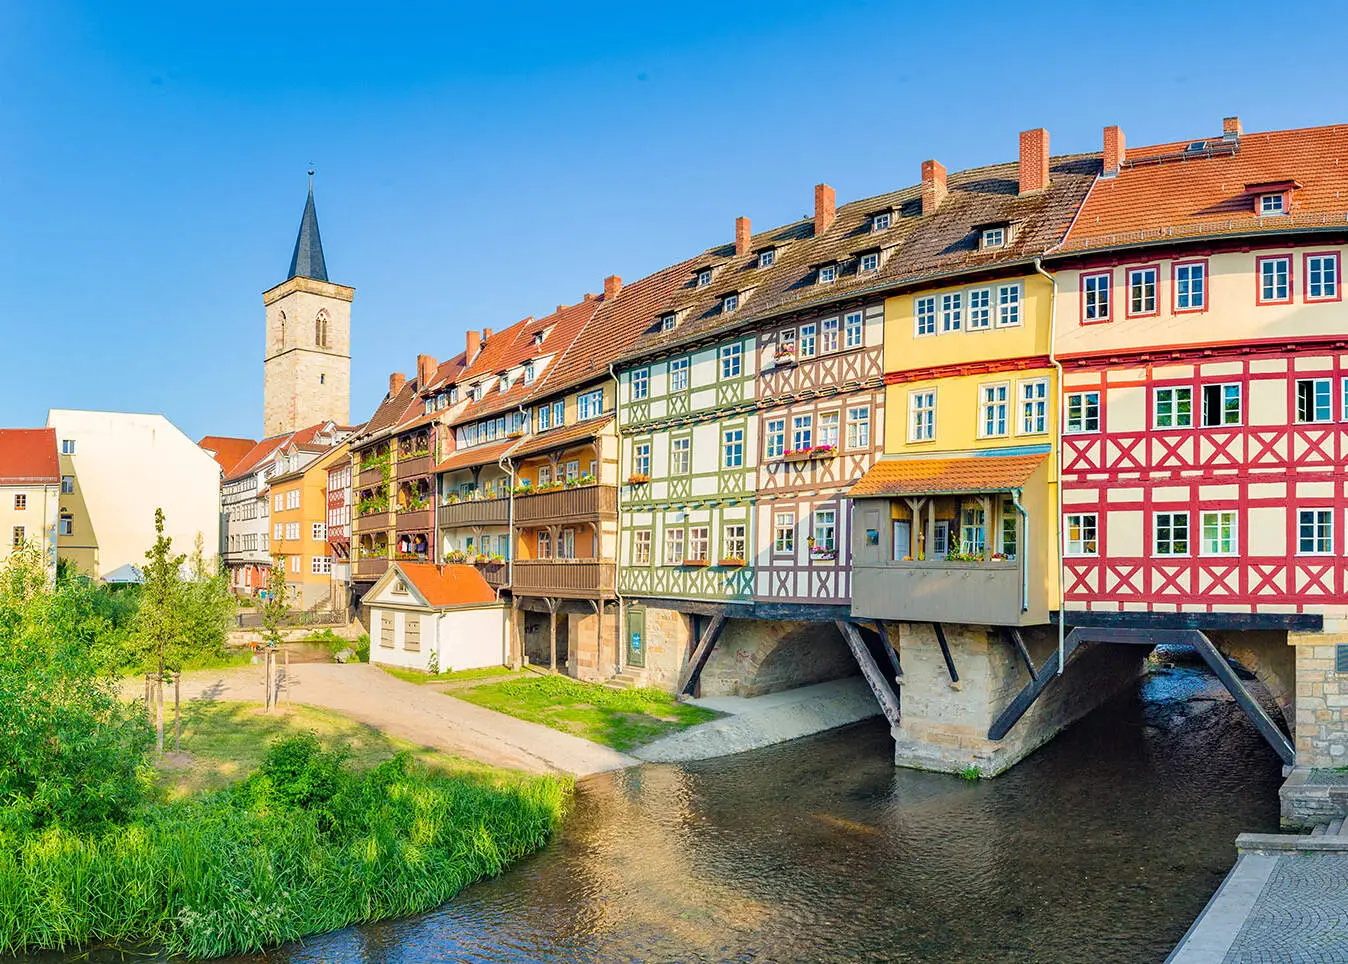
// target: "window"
[[733, 542], [1314, 402], [278, 502], [1095, 290], [293, 499], [853, 330], [1272, 204], [572, 470], [320, 565], [544, 544], [922, 416], [544, 417], [1219, 534], [980, 309], [530, 373], [678, 375], [321, 330], [558, 413], [1315, 532], [590, 405], [1083, 412], [733, 448], [766, 258], [67, 446], [1141, 292], [681, 455], [828, 335], [673, 547], [1171, 534], [667, 323], [566, 544], [292, 530], [641, 384], [67, 525], [641, 547], [952, 311], [1322, 277], [827, 273], [545, 471], [1034, 406], [641, 461], [729, 303], [386, 622], [20, 501], [1008, 535], [278, 531], [1275, 280], [828, 429], [18, 538], [1008, 305], [825, 530], [881, 222], [870, 262], [319, 531], [924, 313], [993, 404], [802, 432], [859, 427], [704, 277], [994, 237], [1221, 405], [731, 360], [786, 340], [1174, 407], [807, 340], [1190, 286], [775, 445], [972, 538], [67, 485], [784, 533], [1081, 534], [295, 564]]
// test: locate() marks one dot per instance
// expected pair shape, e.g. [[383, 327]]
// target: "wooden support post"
[[552, 634], [689, 677], [890, 650], [1262, 721], [1026, 697], [1013, 634], [879, 686], [945, 652]]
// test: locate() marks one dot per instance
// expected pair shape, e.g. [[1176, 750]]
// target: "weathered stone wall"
[[668, 641], [1271, 659], [754, 657], [590, 658], [944, 726], [1321, 732], [538, 638]]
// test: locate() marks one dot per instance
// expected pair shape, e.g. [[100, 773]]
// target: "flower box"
[[638, 478], [824, 554], [517, 433], [783, 359], [695, 563], [810, 454], [732, 562]]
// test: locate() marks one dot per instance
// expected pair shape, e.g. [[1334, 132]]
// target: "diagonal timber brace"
[[879, 685], [688, 678]]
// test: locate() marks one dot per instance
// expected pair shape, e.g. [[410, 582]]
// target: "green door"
[[636, 637]]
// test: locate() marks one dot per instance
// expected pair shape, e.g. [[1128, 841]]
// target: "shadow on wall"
[[754, 657]]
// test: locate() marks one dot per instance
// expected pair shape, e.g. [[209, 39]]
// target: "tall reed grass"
[[264, 862]]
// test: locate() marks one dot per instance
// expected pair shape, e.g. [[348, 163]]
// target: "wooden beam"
[[1026, 697], [945, 651], [879, 686], [889, 648], [1305, 622], [552, 639], [688, 678], [1013, 634], [1234, 685]]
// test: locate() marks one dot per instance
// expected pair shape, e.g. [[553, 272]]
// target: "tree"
[[208, 609], [160, 620], [276, 609]]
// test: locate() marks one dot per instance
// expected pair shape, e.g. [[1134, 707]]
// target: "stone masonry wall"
[[590, 659], [1321, 701], [668, 641], [754, 657], [1267, 655]]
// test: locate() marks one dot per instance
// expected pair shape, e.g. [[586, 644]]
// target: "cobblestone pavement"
[[1301, 915]]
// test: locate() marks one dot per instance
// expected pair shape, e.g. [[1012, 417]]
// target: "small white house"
[[424, 616]]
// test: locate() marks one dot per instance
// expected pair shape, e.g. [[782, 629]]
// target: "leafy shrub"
[[298, 772], [362, 647]]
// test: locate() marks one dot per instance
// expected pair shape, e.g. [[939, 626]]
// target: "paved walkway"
[[417, 714]]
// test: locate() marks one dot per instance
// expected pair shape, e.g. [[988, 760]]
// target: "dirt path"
[[415, 713]]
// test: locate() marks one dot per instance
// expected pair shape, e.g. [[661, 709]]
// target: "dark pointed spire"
[[307, 261]]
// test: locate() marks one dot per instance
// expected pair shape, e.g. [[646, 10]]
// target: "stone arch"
[[757, 656], [1267, 655], [321, 328]]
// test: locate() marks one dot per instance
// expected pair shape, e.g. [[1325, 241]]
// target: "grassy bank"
[[622, 719], [456, 676], [316, 838]]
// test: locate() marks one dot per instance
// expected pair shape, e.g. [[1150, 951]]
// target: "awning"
[[967, 475]]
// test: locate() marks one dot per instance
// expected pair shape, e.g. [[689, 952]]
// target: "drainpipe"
[[508, 467], [1057, 434], [1024, 548], [618, 550]]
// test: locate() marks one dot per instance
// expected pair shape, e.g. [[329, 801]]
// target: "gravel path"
[[414, 713]]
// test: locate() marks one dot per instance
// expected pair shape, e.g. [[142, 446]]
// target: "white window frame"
[[1078, 546], [828, 429], [678, 374], [704, 277], [952, 312], [732, 448], [1321, 391], [767, 258], [924, 315], [1281, 285], [1222, 422], [674, 543], [881, 221], [825, 530], [1316, 265], [828, 273], [1271, 204], [699, 543], [1136, 282], [590, 405], [994, 410], [1010, 300], [1322, 522], [1173, 393], [774, 439], [1080, 425], [854, 330], [641, 384], [1197, 277], [859, 427], [318, 531], [1219, 519], [830, 335], [993, 238], [980, 310], [869, 262], [730, 302], [641, 547], [784, 533], [809, 340], [681, 455], [667, 322], [1097, 297], [1033, 406], [734, 541], [731, 358], [1169, 529], [802, 432], [922, 415]]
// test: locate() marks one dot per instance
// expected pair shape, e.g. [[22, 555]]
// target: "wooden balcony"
[[583, 578], [476, 512], [369, 477], [416, 520], [371, 568], [374, 522], [412, 466], [585, 503], [494, 573]]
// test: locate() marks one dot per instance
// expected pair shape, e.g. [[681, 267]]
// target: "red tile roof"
[[302, 438], [947, 476], [28, 456], [1165, 192], [477, 455], [555, 438], [448, 585], [226, 450]]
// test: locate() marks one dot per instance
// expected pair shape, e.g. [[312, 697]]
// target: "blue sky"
[[482, 164]]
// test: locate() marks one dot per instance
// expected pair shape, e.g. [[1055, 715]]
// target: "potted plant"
[[785, 355], [638, 478], [456, 555], [823, 452]]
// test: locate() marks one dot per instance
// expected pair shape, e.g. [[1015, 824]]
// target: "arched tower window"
[[321, 330], [282, 330]]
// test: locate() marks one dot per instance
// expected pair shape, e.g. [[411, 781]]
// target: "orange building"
[[299, 528]]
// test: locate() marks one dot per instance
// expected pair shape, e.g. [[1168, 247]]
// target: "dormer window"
[[1273, 204], [870, 261], [767, 258], [881, 221], [538, 338], [1272, 198], [827, 273], [993, 238], [730, 302], [454, 394], [530, 373], [704, 277], [667, 323]]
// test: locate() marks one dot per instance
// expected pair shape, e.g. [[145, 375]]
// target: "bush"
[[298, 772], [362, 647]]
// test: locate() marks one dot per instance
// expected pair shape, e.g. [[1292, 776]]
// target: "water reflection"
[[1101, 847]]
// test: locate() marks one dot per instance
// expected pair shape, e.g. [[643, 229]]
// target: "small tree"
[[160, 620], [276, 609], [208, 608]]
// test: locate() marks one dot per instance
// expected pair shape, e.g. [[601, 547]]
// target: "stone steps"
[[625, 680]]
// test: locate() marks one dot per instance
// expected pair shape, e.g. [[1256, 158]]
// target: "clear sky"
[[478, 163]]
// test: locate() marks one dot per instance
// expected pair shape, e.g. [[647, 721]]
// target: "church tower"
[[307, 367]]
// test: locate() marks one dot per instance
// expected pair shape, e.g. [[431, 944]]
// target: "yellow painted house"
[[299, 517]]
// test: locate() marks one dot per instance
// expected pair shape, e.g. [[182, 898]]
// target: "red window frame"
[[1259, 279], [1306, 276], [1175, 309], [1109, 273], [1128, 291]]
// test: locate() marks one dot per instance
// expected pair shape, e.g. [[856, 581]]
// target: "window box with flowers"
[[409, 556], [732, 562], [638, 478], [456, 556], [515, 433], [785, 356], [695, 563], [814, 452]]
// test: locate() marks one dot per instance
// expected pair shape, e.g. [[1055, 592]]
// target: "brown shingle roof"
[[947, 476], [28, 456]]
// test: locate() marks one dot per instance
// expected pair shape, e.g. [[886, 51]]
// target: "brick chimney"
[[486, 333], [933, 186], [612, 285], [1033, 160], [396, 381], [425, 370], [1114, 151], [742, 233], [825, 208], [1231, 127], [473, 346]]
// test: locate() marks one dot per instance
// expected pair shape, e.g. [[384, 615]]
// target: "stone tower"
[[307, 367]]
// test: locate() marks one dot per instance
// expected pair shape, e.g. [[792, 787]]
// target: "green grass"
[[230, 658], [460, 675], [622, 719]]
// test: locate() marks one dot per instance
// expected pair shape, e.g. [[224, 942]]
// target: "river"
[[1101, 847]]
